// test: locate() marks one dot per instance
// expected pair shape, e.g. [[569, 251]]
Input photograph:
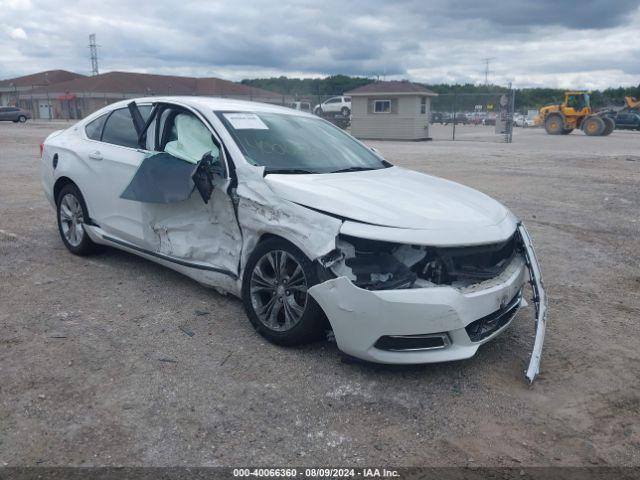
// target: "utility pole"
[[486, 68], [93, 49]]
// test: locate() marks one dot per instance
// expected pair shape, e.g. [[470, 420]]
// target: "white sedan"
[[310, 228]]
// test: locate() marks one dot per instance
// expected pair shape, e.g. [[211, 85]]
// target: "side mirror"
[[217, 168], [204, 173]]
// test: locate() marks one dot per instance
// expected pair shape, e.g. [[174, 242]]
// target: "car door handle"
[[95, 155]]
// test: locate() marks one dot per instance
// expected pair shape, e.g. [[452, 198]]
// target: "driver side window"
[[184, 136]]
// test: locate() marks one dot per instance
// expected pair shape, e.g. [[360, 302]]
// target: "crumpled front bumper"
[[539, 300], [360, 317]]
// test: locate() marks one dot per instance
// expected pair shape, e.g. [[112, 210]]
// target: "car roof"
[[214, 103]]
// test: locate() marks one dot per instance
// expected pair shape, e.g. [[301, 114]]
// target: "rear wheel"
[[274, 293], [554, 125], [22, 119], [72, 217], [609, 125], [593, 126], [345, 111]]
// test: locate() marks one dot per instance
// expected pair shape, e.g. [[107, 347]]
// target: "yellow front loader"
[[631, 103], [574, 113]]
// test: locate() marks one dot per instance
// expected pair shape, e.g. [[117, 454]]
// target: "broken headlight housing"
[[378, 265]]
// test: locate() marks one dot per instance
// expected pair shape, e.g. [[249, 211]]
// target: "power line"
[[93, 49], [486, 68]]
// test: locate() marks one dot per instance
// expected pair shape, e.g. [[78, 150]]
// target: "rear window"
[[94, 128]]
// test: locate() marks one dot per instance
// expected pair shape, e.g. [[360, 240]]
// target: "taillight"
[[41, 149]]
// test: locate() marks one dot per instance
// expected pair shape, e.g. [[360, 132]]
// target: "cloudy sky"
[[555, 43]]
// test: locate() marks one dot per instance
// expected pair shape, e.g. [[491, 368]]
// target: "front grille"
[[412, 343], [485, 326]]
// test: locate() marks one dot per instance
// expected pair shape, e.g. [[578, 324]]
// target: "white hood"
[[392, 197]]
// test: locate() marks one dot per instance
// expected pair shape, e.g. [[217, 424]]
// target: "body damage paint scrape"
[[261, 212]]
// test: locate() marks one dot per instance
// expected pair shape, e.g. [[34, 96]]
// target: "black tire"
[[567, 131], [312, 322], [85, 246], [22, 119], [609, 126], [554, 124], [319, 111], [593, 126], [345, 111]]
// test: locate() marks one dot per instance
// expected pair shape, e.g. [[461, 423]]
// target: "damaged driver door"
[[181, 186]]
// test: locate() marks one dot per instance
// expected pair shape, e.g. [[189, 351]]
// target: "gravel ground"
[[96, 370]]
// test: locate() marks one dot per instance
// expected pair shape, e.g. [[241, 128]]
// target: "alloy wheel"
[[278, 290], [71, 219]]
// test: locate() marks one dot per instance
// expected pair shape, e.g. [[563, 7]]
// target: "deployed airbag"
[[193, 140], [161, 178]]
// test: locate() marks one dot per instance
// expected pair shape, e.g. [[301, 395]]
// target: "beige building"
[[397, 110]]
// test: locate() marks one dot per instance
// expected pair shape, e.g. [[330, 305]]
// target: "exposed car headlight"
[[378, 265]]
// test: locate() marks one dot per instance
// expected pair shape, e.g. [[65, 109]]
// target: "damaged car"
[[312, 229]]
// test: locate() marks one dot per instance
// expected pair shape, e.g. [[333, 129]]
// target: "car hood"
[[391, 197]]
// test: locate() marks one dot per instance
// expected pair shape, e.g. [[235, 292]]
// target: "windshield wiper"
[[298, 171], [354, 169]]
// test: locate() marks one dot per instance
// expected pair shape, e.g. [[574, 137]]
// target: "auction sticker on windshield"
[[245, 121]]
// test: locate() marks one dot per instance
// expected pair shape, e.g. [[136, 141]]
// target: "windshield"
[[296, 144]]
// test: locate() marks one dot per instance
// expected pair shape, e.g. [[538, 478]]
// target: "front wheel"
[[554, 125], [593, 126], [274, 293]]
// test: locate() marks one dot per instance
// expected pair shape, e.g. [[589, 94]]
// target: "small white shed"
[[396, 110]]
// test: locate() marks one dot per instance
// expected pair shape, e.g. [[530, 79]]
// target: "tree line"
[[526, 98]]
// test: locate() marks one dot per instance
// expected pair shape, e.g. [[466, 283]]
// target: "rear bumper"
[[360, 318]]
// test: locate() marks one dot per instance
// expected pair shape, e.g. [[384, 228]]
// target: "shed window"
[[382, 106], [423, 105]]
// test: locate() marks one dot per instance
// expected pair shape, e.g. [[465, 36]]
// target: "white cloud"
[[17, 34], [14, 33], [570, 43]]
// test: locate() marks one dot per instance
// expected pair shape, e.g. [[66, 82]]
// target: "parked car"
[[309, 227], [627, 120], [437, 117], [340, 105], [460, 119], [522, 121], [302, 106], [14, 114]]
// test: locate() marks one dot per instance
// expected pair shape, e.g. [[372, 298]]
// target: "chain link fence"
[[485, 117]]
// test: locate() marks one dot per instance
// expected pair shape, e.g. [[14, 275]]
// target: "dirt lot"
[[94, 369]]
